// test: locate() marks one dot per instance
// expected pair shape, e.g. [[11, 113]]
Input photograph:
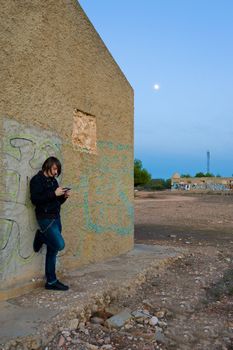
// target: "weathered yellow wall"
[[53, 62]]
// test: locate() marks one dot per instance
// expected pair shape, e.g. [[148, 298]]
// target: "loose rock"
[[61, 341], [73, 324], [153, 321]]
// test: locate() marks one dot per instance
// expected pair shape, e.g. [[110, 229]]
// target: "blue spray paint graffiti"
[[109, 209]]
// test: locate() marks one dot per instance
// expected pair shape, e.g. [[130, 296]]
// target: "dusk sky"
[[178, 57]]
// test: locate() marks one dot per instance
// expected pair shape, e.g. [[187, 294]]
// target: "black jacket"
[[43, 196]]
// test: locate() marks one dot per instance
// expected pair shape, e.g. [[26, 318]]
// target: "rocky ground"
[[188, 305]]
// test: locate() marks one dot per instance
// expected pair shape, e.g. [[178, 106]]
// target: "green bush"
[[200, 174], [141, 175]]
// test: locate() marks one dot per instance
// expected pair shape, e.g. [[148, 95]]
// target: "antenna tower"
[[208, 161]]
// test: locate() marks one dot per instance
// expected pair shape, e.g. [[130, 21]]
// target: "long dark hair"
[[49, 163]]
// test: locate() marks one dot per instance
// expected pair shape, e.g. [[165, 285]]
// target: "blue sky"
[[185, 46]]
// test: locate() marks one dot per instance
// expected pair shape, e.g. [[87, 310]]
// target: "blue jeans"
[[51, 236]]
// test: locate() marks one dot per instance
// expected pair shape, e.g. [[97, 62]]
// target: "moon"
[[156, 87]]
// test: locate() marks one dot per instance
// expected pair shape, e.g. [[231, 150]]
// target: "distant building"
[[201, 183]]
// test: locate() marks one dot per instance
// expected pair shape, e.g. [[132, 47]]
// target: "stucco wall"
[[54, 63]]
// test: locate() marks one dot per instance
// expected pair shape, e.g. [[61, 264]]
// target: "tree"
[[158, 184], [141, 175], [168, 183], [204, 175], [185, 175], [209, 175], [200, 174]]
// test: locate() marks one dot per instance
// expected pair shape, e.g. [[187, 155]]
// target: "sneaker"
[[63, 285], [56, 286], [38, 242]]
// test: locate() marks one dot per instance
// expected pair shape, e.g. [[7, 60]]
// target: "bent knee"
[[61, 246]]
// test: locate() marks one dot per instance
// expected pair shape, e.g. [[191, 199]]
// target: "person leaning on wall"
[[48, 196]]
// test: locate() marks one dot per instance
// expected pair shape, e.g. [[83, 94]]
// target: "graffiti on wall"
[[112, 207], [205, 186], [104, 188], [24, 150]]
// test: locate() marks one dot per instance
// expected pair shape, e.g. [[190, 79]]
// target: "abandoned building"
[[62, 94], [201, 183]]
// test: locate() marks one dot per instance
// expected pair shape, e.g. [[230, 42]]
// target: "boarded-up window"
[[84, 131]]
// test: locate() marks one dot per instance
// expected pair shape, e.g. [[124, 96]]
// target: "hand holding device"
[[59, 191], [66, 189]]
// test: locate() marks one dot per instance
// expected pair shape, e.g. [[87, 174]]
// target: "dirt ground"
[[192, 298], [199, 289], [200, 218]]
